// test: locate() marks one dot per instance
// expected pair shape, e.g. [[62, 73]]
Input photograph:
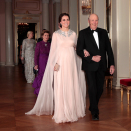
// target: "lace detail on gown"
[[69, 33], [28, 49]]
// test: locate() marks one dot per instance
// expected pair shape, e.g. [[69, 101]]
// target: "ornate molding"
[[8, 0], [55, 1], [45, 1], [30, 5]]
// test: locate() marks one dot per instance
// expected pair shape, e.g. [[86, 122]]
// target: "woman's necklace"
[[45, 44]]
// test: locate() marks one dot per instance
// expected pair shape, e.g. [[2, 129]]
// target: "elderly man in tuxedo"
[[97, 45]]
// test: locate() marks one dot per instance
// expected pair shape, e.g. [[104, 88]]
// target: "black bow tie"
[[94, 30]]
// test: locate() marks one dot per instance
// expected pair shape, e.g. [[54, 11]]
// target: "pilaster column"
[[121, 40], [65, 6], [56, 10], [45, 14], [9, 33], [73, 15]]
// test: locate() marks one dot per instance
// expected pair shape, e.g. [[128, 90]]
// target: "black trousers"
[[95, 80]]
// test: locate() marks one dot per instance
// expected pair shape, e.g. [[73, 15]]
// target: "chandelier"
[[86, 7], [22, 27], [23, 24]]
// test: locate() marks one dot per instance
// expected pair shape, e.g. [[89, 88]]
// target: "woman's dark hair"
[[60, 17], [45, 31]]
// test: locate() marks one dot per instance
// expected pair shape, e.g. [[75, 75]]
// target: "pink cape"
[[63, 92]]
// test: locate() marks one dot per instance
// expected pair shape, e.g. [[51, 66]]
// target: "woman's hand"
[[75, 47], [56, 68], [22, 58], [86, 53], [36, 67]]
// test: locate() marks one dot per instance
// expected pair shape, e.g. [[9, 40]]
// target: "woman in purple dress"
[[41, 56]]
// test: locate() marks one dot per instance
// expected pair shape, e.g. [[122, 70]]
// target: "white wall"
[[73, 14], [65, 6], [121, 39], [99, 8], [56, 11], [83, 19]]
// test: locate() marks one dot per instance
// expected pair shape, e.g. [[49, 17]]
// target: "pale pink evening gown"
[[62, 91]]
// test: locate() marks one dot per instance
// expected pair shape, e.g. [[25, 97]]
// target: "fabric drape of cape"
[[44, 103]]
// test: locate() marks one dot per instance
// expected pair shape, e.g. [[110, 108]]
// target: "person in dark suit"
[[92, 46]]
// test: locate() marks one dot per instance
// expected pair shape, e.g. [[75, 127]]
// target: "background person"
[[28, 50], [41, 39], [95, 40], [41, 56], [60, 90]]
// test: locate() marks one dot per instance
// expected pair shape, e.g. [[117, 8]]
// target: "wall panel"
[[32, 6], [123, 33], [65, 6], [2, 32], [73, 14]]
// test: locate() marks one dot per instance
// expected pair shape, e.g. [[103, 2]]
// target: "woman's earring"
[[60, 25]]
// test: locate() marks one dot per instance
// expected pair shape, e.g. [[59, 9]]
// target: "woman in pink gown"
[[63, 86]]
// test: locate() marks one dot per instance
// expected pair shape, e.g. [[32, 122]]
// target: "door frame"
[[24, 18]]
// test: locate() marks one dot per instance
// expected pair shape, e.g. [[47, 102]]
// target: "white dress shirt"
[[95, 34]]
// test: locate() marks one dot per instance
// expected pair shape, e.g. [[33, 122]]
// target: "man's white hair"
[[93, 14]]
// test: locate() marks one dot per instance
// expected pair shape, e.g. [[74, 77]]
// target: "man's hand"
[[36, 67], [75, 47], [96, 58], [86, 53], [112, 69]]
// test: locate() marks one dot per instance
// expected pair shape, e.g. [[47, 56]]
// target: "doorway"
[[30, 22]]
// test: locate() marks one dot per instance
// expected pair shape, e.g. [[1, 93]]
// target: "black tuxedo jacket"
[[86, 41]]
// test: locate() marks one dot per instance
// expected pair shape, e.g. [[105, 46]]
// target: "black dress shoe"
[[95, 117]]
